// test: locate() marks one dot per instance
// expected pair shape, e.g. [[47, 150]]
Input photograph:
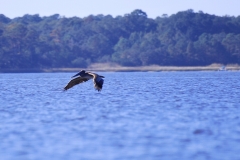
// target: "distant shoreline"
[[117, 68]]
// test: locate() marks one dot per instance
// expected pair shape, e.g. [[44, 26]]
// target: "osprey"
[[84, 76]]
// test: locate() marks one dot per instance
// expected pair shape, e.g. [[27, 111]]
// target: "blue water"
[[137, 116]]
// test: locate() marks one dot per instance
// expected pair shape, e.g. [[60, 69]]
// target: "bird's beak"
[[78, 74]]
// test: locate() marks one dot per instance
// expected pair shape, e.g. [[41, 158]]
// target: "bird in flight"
[[84, 76]]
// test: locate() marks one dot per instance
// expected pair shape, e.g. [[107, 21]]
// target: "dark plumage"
[[84, 76]]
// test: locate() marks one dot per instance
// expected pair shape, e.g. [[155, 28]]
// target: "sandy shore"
[[117, 68]]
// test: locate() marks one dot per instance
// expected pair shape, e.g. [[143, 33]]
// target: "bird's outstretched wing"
[[98, 83], [74, 82]]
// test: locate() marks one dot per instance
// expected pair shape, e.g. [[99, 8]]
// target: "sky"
[[84, 8]]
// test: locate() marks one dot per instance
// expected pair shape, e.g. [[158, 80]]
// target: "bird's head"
[[79, 73]]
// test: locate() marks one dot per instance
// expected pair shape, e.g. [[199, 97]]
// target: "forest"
[[186, 38]]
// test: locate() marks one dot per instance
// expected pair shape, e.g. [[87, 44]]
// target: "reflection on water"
[[138, 115]]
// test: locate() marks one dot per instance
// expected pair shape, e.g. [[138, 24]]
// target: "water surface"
[[137, 116]]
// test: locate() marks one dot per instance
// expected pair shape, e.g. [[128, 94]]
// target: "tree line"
[[186, 38]]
